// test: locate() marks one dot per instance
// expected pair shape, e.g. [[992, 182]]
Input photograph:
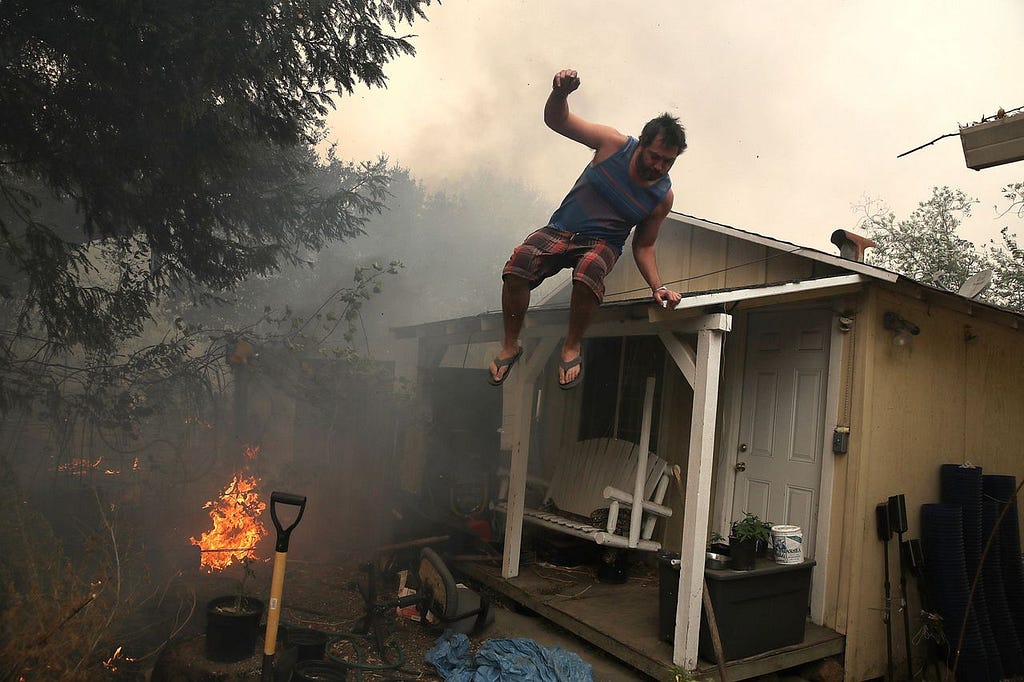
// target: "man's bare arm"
[[644, 254], [602, 139]]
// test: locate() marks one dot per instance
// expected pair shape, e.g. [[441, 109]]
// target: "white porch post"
[[697, 505], [520, 390]]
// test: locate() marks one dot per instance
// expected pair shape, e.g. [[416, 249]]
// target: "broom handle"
[[906, 611], [888, 618]]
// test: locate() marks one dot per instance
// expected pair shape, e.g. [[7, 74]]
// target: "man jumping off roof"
[[625, 185]]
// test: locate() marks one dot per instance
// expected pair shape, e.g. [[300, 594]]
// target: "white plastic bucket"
[[788, 542]]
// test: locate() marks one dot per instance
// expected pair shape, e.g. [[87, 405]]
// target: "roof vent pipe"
[[851, 246]]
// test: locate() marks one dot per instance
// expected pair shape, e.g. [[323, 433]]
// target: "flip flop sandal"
[[566, 366], [503, 362]]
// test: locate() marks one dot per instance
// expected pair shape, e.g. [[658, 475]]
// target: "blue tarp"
[[505, 660]]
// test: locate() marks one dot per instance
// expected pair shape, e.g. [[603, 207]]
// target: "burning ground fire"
[[79, 466], [237, 528]]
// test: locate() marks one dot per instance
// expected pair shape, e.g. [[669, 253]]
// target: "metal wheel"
[[437, 581]]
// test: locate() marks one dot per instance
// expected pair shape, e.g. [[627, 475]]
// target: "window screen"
[[613, 387]]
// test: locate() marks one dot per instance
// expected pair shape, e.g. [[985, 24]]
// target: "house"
[[803, 386]]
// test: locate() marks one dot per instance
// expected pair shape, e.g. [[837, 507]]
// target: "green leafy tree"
[[169, 148], [154, 156], [1007, 256], [925, 246]]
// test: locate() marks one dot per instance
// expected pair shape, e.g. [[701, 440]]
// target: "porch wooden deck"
[[623, 619]]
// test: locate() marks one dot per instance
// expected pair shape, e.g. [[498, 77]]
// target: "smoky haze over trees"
[[453, 245], [169, 150], [153, 158], [438, 255]]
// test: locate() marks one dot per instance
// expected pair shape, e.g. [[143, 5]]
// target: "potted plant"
[[232, 622], [746, 535], [718, 543]]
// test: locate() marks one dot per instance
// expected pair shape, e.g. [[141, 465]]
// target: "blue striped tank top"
[[606, 203]]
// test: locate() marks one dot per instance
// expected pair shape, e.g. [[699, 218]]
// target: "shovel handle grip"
[[283, 534]]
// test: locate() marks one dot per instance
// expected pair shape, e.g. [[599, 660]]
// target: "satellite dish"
[[976, 284]]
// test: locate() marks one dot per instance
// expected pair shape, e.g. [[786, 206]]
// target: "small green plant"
[[681, 674], [716, 538], [751, 527], [242, 602], [243, 594]]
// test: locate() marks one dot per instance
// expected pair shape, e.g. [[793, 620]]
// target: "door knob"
[[743, 447], [741, 466]]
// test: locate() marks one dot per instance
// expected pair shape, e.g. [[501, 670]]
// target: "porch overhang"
[[752, 297], [638, 316]]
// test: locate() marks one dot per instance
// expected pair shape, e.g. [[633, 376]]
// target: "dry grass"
[[64, 619]]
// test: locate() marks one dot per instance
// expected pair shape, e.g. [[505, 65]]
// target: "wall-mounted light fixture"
[[903, 330]]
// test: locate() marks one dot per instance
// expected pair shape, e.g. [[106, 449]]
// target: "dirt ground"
[[324, 597]]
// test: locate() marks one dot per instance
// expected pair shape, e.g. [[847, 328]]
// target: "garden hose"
[[360, 665]]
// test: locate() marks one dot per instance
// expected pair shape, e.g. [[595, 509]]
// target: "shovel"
[[277, 581]]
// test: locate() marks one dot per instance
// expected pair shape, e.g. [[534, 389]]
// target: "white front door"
[[778, 459]]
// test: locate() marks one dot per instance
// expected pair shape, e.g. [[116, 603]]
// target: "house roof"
[[790, 247], [859, 272]]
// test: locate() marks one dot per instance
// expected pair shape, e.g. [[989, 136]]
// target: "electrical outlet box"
[[841, 440]]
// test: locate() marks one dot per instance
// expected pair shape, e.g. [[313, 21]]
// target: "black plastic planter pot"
[[231, 632], [310, 645], [319, 671], [742, 554]]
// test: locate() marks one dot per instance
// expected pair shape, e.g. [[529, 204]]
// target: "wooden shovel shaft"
[[273, 615], [274, 612]]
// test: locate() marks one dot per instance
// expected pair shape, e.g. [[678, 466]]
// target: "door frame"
[[727, 447]]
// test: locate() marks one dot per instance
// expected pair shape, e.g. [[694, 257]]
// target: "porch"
[[623, 620]]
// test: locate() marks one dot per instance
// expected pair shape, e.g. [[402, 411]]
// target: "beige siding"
[[940, 399], [783, 267], [710, 254], [693, 260], [746, 264]]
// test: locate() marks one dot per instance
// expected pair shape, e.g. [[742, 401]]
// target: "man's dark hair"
[[671, 131]]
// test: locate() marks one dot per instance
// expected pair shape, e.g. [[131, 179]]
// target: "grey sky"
[[794, 110]]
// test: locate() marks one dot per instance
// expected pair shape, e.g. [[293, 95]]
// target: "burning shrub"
[[237, 528], [55, 622]]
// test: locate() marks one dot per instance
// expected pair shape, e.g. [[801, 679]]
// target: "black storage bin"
[[757, 610]]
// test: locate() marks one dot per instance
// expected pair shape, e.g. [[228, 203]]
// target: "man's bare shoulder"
[[609, 141]]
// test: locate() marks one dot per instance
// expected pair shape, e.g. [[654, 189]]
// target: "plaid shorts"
[[549, 250]]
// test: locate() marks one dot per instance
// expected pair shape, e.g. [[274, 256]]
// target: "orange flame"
[[111, 663], [237, 528], [78, 466]]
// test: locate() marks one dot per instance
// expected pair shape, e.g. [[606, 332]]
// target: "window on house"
[[613, 387]]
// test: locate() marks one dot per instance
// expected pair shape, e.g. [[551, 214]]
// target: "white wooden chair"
[[597, 474]]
